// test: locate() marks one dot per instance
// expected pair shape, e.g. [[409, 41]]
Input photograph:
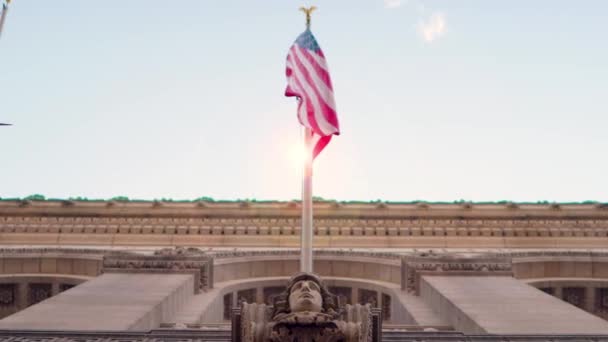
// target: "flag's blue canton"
[[308, 41]]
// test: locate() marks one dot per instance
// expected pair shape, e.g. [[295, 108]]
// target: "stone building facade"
[[86, 270]]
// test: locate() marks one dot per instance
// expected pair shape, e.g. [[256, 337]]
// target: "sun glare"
[[297, 155]]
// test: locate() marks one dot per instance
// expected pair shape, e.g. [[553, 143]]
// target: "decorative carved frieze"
[[168, 260], [244, 225], [413, 267]]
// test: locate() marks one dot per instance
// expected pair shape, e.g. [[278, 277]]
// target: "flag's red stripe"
[[310, 110], [326, 111], [321, 71], [331, 116], [323, 141], [301, 92]]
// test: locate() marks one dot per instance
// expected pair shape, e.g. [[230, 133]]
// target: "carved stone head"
[[305, 292]]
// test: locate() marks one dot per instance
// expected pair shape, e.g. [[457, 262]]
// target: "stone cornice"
[[292, 210], [413, 267], [166, 260]]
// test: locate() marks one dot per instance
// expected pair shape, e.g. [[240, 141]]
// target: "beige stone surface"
[[109, 302], [504, 305]]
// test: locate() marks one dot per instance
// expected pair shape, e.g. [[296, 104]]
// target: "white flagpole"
[[3, 17], [307, 222]]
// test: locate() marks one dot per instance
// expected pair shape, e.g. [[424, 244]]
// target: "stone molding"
[[414, 267], [293, 210], [296, 253], [167, 260], [289, 226]]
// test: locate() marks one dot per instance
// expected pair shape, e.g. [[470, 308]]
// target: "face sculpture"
[[305, 295]]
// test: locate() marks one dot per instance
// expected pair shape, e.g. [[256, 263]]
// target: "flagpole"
[[306, 233], [3, 17], [307, 221]]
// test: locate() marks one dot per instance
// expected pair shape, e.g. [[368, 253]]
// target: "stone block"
[[287, 230], [64, 266], [345, 231], [79, 266], [450, 231], [13, 265], [439, 231], [427, 231]]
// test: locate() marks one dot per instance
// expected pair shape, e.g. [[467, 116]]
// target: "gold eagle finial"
[[308, 11]]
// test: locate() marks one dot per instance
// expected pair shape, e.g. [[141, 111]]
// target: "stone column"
[[22, 295], [558, 292], [590, 298], [54, 288]]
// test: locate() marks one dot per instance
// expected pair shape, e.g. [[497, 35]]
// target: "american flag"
[[308, 80]]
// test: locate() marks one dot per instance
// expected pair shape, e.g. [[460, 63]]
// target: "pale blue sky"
[[438, 100]]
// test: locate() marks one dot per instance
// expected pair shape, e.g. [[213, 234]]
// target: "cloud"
[[392, 3], [433, 27]]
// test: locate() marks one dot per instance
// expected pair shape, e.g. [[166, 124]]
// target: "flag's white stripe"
[[321, 61], [325, 127], [326, 93], [308, 93], [303, 114]]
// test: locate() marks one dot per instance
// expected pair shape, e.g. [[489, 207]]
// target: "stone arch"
[[226, 295], [385, 268]]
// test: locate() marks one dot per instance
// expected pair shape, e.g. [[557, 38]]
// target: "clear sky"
[[438, 100]]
